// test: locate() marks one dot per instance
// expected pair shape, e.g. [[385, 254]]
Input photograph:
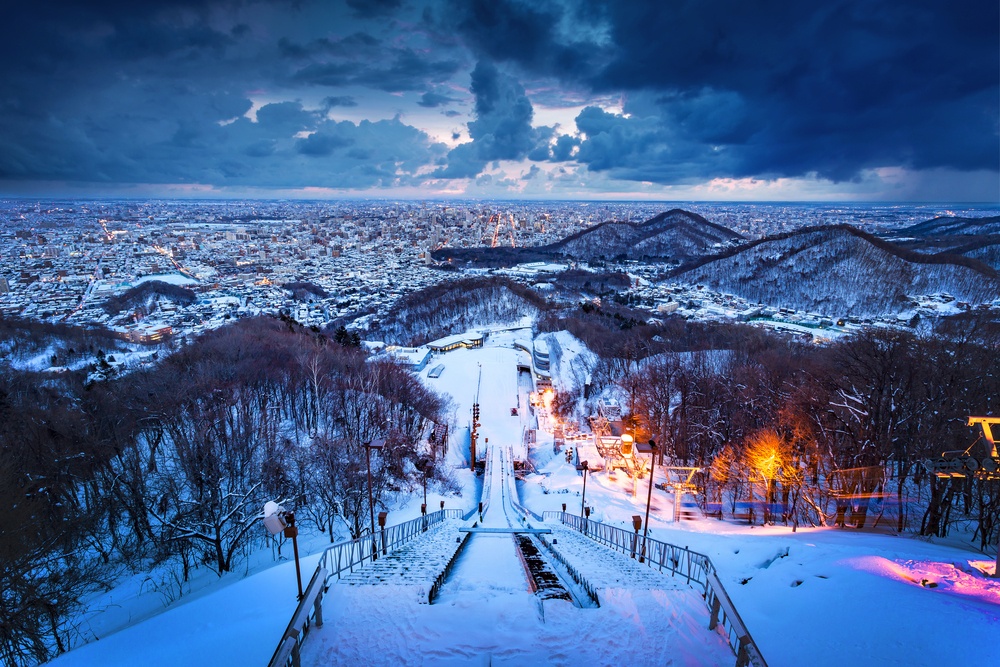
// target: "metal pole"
[[371, 501], [583, 501], [649, 498], [423, 508], [298, 570]]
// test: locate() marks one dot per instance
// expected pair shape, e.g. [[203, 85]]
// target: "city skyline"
[[503, 100]]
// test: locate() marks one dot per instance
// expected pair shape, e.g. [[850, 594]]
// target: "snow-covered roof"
[[471, 337]]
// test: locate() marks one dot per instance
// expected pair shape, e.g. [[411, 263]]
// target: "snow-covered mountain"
[[839, 270], [976, 238], [674, 235], [950, 226]]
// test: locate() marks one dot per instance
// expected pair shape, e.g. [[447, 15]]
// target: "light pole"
[[278, 520], [374, 444], [649, 498], [423, 465], [582, 467]]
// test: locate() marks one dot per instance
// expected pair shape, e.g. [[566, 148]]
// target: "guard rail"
[[679, 561]]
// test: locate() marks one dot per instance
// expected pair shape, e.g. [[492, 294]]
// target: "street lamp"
[[582, 467], [424, 466], [278, 520], [649, 497], [374, 444]]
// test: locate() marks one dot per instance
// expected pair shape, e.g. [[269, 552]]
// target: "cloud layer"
[[385, 93]]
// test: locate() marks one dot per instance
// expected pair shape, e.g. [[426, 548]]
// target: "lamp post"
[[649, 498], [374, 444], [423, 465], [278, 520], [582, 467]]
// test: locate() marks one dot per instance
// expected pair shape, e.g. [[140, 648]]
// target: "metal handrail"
[[335, 560], [302, 620], [355, 553], [695, 567]]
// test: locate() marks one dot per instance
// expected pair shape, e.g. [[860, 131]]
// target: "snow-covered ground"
[[238, 624], [817, 596], [485, 614]]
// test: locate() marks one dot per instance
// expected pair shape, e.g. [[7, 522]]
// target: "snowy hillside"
[[950, 226], [458, 306], [816, 596], [672, 236], [837, 270], [975, 238]]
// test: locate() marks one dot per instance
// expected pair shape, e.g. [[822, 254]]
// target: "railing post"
[[297, 659], [742, 655], [714, 617], [318, 610]]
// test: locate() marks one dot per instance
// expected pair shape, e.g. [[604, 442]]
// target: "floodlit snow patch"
[[954, 579], [171, 278]]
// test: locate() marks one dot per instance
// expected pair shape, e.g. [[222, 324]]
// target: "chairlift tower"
[[980, 461]]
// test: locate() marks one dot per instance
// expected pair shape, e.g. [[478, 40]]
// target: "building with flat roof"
[[414, 357], [469, 339]]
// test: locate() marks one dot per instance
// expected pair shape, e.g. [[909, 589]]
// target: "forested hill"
[[144, 293], [951, 226], [674, 235], [162, 472], [457, 306], [975, 238], [839, 270]]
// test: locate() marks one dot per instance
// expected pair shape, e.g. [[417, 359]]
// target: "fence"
[[679, 561], [338, 559]]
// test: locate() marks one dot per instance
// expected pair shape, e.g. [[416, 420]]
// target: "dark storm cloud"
[[338, 101], [641, 148], [782, 88], [563, 148], [156, 92], [545, 36], [502, 127], [356, 45], [373, 8], [432, 100], [321, 144], [404, 71]]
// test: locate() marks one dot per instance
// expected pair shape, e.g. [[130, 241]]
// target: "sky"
[[590, 99]]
